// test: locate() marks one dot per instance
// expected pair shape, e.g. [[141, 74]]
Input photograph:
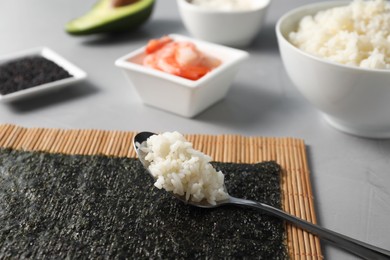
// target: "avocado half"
[[104, 18]]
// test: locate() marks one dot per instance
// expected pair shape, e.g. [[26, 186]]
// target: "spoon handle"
[[364, 250]]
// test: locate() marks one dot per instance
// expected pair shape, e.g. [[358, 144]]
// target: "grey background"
[[350, 175]]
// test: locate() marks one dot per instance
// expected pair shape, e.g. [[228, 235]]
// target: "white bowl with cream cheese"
[[229, 22]]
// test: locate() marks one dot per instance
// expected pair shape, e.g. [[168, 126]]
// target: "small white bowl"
[[179, 95], [353, 99], [232, 28], [76, 73]]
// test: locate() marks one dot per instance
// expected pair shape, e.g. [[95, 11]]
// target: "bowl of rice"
[[338, 56]]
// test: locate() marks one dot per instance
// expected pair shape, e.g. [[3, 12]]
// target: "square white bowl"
[[179, 95], [76, 73]]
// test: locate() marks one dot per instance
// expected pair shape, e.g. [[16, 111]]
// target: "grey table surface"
[[350, 175]]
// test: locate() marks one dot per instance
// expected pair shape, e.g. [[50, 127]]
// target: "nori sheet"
[[56, 206]]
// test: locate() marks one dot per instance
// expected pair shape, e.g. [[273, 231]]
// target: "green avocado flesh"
[[104, 18]]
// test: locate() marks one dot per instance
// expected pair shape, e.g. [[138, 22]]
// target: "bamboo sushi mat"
[[290, 153]]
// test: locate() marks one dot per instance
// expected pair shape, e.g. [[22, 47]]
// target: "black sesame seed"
[[27, 72]]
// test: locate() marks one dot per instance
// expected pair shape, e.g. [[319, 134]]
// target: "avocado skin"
[[122, 23]]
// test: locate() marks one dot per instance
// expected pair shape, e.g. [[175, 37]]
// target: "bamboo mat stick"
[[295, 237], [132, 152], [21, 140], [281, 158], [120, 141], [6, 129], [309, 245], [13, 133], [290, 153], [18, 139], [85, 142], [310, 205], [36, 138], [299, 204], [95, 137], [60, 139], [74, 144], [102, 145]]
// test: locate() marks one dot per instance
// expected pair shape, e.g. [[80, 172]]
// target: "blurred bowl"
[[179, 95], [353, 99], [232, 28]]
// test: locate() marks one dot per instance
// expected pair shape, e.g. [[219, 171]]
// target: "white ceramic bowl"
[[76, 73], [352, 99], [179, 95], [232, 28]]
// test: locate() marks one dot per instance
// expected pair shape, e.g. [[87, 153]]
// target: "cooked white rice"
[[180, 169], [357, 34]]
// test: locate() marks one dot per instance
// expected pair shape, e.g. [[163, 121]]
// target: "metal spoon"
[[354, 246]]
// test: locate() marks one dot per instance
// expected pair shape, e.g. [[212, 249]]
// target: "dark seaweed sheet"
[[78, 207]]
